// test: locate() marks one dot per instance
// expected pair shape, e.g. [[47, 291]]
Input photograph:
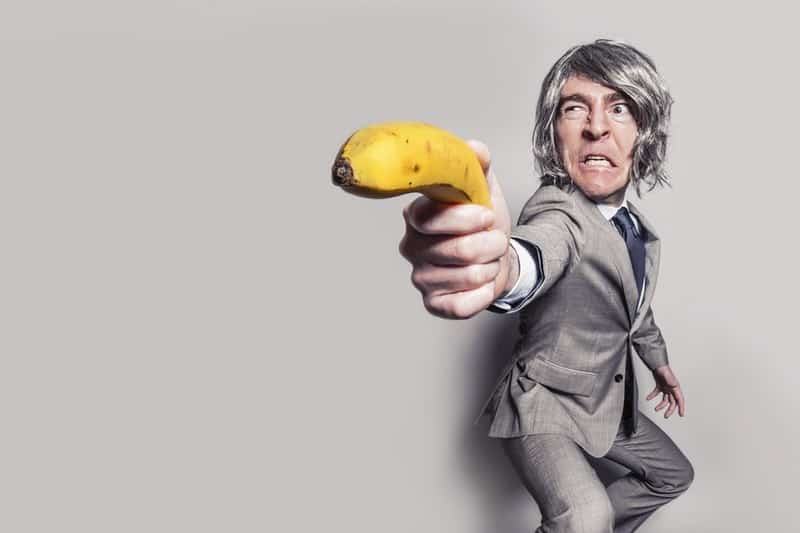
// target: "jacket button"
[[618, 378]]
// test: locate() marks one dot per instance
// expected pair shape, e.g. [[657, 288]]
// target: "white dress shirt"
[[529, 258]]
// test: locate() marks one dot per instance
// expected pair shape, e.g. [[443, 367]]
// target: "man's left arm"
[[652, 349]]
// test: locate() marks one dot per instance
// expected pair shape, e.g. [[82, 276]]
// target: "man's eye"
[[620, 109], [573, 111]]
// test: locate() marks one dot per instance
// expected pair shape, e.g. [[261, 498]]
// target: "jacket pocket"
[[561, 378]]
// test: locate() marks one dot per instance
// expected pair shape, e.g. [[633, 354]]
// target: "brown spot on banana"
[[342, 173]]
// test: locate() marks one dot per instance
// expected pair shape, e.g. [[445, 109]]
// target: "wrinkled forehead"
[[586, 90]]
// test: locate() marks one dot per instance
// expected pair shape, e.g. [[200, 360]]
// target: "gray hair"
[[623, 68]]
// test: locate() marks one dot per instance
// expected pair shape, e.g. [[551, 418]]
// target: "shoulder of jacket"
[[548, 198]]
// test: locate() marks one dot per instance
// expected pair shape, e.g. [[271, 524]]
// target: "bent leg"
[[659, 473], [555, 471]]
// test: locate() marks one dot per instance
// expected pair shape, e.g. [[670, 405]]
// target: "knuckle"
[[433, 306], [411, 213], [418, 279], [407, 211], [468, 306], [465, 249], [410, 246], [473, 276], [445, 306], [478, 275], [402, 246], [494, 269], [499, 242], [459, 309], [459, 306]]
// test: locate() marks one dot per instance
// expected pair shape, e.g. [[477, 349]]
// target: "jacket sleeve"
[[551, 226], [649, 342]]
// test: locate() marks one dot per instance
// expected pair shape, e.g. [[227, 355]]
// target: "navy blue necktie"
[[633, 241], [624, 223]]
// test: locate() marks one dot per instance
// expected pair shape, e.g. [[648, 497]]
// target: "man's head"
[[601, 120]]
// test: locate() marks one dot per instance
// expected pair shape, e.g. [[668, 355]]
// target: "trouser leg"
[[659, 473], [570, 496]]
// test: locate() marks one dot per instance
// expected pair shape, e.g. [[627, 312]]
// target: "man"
[[580, 267]]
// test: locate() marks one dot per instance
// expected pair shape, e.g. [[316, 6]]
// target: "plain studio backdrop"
[[200, 333]]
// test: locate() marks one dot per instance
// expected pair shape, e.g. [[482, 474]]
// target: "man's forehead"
[[580, 88]]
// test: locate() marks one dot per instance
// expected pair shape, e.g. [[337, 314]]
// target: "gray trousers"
[[562, 479]]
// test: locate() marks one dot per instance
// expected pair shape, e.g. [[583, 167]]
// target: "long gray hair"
[[623, 68]]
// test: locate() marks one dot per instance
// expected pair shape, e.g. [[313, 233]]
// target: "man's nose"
[[596, 126]]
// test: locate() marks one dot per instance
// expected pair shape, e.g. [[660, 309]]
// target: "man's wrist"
[[521, 267]]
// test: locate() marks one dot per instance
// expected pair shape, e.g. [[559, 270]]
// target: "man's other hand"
[[460, 254], [671, 393]]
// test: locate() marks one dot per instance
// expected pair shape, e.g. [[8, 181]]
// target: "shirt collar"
[[609, 211]]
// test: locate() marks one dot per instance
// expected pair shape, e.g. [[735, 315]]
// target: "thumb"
[[482, 151], [499, 205]]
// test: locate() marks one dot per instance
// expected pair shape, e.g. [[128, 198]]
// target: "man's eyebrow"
[[582, 98], [616, 95], [574, 97]]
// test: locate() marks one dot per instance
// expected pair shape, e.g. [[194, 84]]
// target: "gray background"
[[199, 333]]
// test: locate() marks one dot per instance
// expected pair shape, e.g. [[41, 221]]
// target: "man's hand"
[[667, 384], [459, 252]]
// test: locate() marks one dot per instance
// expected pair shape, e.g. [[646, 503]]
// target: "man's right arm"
[[461, 256]]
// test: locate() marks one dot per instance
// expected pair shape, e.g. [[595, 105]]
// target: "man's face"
[[596, 132]]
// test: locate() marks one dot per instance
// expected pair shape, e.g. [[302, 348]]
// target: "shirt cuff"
[[528, 279]]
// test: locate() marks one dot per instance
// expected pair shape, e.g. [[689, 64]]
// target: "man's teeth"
[[595, 161]]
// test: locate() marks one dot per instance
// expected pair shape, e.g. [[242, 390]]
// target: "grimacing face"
[[596, 133]]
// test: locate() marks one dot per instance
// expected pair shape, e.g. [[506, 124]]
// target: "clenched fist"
[[460, 253]]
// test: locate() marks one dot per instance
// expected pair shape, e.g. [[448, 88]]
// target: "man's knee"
[[676, 480], [686, 476]]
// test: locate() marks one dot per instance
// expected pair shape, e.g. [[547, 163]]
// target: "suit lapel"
[[619, 254], [652, 247]]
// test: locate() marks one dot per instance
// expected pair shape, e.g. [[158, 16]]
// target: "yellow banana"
[[394, 158]]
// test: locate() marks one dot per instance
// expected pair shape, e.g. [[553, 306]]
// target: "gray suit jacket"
[[578, 326]]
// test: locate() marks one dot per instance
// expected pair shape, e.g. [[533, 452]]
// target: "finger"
[[414, 244], [663, 403], [460, 305], [496, 193], [462, 250], [672, 406], [482, 151], [437, 218], [433, 280], [653, 394], [681, 401]]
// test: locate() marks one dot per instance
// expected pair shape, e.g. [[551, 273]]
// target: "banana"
[[395, 158]]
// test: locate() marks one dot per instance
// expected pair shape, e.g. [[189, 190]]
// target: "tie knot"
[[623, 220], [623, 217]]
